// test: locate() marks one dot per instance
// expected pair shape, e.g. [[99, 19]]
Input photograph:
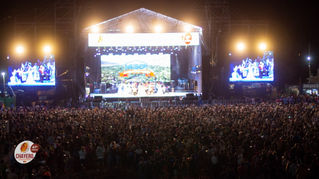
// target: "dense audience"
[[266, 140]]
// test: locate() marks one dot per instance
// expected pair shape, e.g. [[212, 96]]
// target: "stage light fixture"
[[262, 46], [187, 28], [240, 46], [129, 29], [19, 49], [95, 29], [158, 28], [47, 49]]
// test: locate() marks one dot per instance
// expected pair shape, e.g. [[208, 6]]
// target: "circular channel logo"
[[187, 38], [25, 151]]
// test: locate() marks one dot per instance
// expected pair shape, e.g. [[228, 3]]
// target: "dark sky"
[[293, 28]]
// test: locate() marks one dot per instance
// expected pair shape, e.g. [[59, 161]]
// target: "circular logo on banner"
[[187, 38], [25, 151]]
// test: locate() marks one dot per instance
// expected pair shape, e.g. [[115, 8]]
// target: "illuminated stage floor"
[[116, 95]]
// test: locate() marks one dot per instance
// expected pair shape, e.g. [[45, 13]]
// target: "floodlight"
[[95, 29], [47, 49], [187, 28], [158, 28], [129, 29], [241, 46], [262, 46], [19, 49]]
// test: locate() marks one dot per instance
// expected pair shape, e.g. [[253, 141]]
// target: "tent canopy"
[[143, 21]]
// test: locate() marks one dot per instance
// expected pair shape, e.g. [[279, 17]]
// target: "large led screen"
[[33, 73], [130, 74], [260, 69]]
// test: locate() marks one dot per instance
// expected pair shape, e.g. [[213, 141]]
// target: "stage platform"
[[126, 97], [116, 95]]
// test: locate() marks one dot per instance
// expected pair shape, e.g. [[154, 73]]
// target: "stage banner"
[[142, 39]]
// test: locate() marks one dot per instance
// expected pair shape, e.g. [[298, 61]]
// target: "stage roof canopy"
[[143, 21]]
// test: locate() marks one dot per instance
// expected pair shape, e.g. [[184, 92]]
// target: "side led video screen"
[[260, 69], [33, 73]]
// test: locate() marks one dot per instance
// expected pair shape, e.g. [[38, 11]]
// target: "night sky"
[[292, 24]]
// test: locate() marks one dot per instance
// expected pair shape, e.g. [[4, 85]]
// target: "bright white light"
[[187, 28], [20, 49], [3, 73], [241, 46], [47, 49], [262, 46], [129, 29], [95, 29], [308, 58], [158, 28]]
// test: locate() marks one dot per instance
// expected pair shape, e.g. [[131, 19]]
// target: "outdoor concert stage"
[[131, 57]]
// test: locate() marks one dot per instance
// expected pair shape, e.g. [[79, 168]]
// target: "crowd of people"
[[265, 140]]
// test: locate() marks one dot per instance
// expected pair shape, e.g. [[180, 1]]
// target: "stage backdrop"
[[166, 62]]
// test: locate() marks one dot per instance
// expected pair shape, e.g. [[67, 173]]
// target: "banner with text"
[[142, 39]]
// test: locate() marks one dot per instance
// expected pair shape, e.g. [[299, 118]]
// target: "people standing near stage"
[[266, 140]]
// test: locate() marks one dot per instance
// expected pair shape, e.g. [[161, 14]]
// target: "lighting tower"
[[217, 15], [309, 66]]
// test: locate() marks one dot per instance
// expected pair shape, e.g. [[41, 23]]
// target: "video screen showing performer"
[[137, 75], [259, 69], [39, 73]]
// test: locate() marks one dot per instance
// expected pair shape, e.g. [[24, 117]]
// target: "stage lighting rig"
[[95, 29], [262, 46], [129, 29], [158, 28], [20, 50], [240, 46], [187, 28], [47, 49]]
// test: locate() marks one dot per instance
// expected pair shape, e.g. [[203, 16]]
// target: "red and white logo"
[[187, 38], [25, 151]]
